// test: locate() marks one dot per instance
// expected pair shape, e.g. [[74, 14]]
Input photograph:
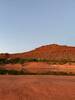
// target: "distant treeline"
[[23, 60]]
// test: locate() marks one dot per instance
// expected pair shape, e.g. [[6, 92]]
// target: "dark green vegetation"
[[11, 72], [23, 60], [26, 72]]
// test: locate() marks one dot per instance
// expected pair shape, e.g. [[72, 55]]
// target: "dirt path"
[[37, 87]]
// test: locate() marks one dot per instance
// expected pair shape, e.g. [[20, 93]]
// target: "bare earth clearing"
[[37, 87]]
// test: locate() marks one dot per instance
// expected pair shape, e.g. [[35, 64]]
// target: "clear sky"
[[27, 24]]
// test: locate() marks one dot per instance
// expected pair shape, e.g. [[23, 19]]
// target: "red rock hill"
[[51, 52]]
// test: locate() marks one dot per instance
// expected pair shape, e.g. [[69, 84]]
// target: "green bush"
[[3, 60], [3, 71]]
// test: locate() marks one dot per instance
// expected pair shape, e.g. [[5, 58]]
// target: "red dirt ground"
[[37, 87]]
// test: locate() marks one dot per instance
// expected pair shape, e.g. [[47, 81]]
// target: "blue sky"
[[27, 24]]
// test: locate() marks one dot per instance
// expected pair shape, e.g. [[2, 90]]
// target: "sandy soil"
[[37, 87]]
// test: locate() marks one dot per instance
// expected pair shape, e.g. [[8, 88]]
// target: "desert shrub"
[[13, 72], [25, 72], [23, 60], [16, 60], [3, 60], [58, 73], [3, 71]]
